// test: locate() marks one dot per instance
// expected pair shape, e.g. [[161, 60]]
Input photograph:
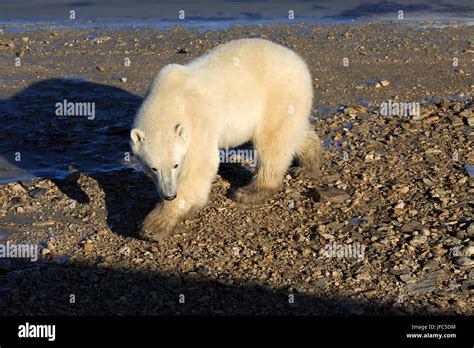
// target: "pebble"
[[17, 188], [464, 261], [437, 275], [357, 221], [369, 158], [428, 182], [38, 192], [411, 227], [332, 195], [16, 202], [470, 230], [364, 276], [351, 112], [467, 113], [470, 170], [421, 287], [43, 223], [318, 283], [433, 151], [399, 205], [456, 121], [431, 119], [418, 240], [431, 265], [407, 278], [327, 236], [467, 251], [439, 250], [125, 250], [100, 39], [102, 265], [356, 236]]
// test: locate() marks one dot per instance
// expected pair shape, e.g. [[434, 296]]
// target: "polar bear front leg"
[[159, 223], [193, 193]]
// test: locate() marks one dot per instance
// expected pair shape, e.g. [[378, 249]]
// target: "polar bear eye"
[[175, 166], [154, 169]]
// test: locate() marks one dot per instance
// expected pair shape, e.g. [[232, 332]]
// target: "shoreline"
[[125, 24]]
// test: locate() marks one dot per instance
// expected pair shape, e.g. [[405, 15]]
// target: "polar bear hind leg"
[[308, 156], [276, 141]]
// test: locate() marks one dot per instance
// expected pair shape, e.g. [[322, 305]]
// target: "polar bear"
[[244, 90]]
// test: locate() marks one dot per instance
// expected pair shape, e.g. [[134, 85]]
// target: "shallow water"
[[23, 15]]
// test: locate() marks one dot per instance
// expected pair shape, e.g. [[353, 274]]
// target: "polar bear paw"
[[156, 227]]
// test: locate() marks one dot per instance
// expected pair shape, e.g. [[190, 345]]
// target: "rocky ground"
[[400, 188]]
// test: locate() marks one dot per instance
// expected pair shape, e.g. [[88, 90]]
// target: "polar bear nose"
[[170, 198]]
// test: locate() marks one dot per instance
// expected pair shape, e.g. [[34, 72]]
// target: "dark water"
[[24, 14]]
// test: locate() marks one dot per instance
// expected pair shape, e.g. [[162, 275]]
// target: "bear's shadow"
[[51, 146]]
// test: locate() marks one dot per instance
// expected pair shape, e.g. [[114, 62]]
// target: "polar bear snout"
[[167, 184], [167, 189], [167, 192]]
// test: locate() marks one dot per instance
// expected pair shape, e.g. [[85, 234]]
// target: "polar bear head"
[[161, 134], [162, 155]]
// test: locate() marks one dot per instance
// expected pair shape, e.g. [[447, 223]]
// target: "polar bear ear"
[[180, 131], [137, 136]]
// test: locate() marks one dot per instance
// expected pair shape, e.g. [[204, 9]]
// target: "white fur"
[[244, 90]]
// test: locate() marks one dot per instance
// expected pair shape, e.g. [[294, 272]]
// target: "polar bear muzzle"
[[168, 183]]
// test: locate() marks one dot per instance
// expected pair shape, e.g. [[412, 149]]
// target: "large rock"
[[331, 194]]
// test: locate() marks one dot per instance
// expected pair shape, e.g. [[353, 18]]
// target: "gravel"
[[398, 186]]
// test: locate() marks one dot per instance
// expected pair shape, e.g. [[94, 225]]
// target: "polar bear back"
[[231, 92], [244, 77], [259, 61]]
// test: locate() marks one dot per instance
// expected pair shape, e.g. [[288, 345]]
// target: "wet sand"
[[396, 185]]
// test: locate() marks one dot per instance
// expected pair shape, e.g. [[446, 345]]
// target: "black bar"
[[243, 330]]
